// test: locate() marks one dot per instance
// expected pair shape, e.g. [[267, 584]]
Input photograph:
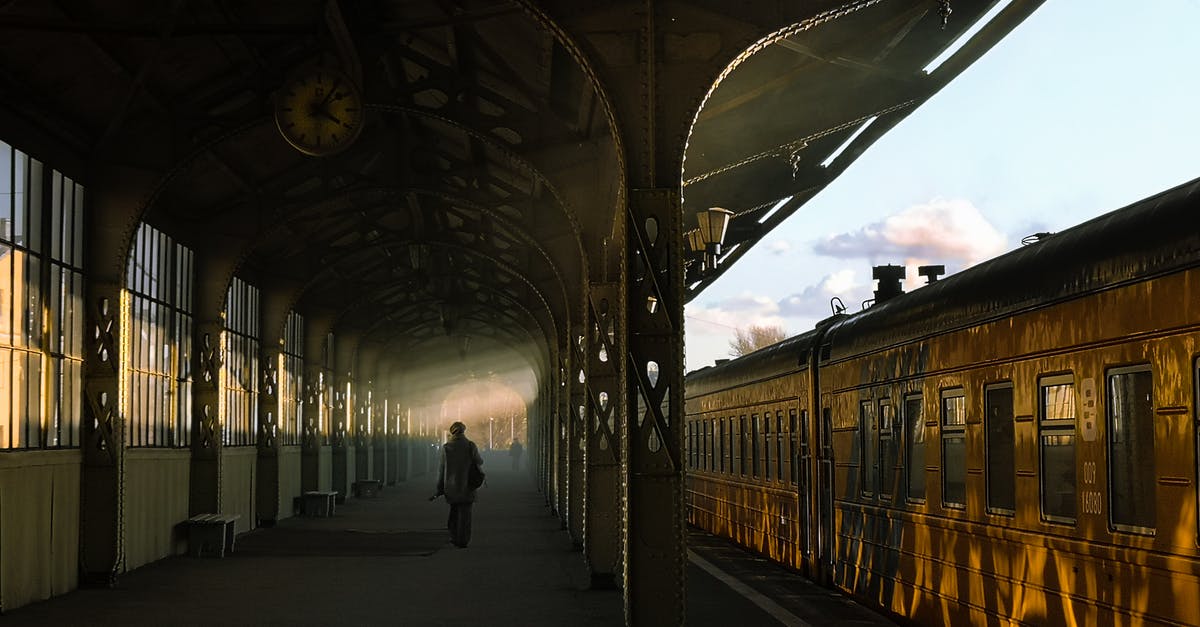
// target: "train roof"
[[783, 357], [1155, 236]]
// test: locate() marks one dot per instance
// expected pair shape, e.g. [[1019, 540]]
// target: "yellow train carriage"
[[1017, 444], [747, 448]]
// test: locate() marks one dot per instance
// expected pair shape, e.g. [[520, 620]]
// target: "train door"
[[802, 477], [825, 470]]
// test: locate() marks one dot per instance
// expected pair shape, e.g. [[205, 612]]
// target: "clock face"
[[320, 113]]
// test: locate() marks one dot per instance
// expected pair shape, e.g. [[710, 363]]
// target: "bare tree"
[[754, 337]]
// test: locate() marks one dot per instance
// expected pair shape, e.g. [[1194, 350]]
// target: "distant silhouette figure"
[[514, 451], [458, 455]]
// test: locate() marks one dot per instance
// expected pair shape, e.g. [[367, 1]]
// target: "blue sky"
[[1088, 106]]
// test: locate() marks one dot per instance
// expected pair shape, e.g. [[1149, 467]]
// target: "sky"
[[1086, 107]]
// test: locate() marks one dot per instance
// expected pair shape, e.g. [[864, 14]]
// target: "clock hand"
[[332, 91], [330, 116]]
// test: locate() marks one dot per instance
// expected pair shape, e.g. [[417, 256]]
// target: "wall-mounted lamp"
[[713, 222]]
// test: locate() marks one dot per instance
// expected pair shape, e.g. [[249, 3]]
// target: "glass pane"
[[1058, 475], [6, 184], [954, 410], [20, 164], [954, 471], [19, 295], [6, 398], [1131, 449], [32, 418], [77, 252], [1058, 402], [868, 435], [1000, 448], [887, 450], [56, 225], [915, 458], [35, 204], [7, 269]]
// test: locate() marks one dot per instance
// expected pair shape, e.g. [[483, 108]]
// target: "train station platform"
[[387, 561]]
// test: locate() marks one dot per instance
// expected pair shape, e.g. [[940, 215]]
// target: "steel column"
[[102, 533], [655, 538], [207, 411], [267, 473], [577, 439], [602, 543]]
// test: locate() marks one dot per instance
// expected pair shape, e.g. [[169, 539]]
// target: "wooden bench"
[[319, 504], [367, 488], [211, 534]]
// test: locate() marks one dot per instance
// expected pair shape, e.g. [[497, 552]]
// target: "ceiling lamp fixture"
[[713, 223]]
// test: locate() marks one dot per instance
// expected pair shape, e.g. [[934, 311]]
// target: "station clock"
[[319, 112]]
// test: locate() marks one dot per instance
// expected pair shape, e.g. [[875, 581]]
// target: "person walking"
[[458, 455], [515, 451]]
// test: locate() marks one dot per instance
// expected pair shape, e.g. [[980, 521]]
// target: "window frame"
[[987, 448], [1058, 425], [867, 455], [1109, 430], [909, 467], [947, 431], [886, 489]]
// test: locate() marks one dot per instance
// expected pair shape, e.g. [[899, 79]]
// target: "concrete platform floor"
[[388, 561]]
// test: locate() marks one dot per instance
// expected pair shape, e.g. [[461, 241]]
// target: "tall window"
[[795, 433], [723, 447], [867, 434], [779, 446], [888, 436], [954, 448], [1056, 431], [291, 381], [41, 312], [914, 451], [766, 430], [240, 370], [754, 431], [1001, 444], [1131, 480], [741, 439], [158, 379]]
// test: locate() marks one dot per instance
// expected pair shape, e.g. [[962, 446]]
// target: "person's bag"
[[475, 476]]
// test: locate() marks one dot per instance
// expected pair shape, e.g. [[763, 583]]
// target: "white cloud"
[[813, 302], [779, 247], [953, 232], [841, 282], [739, 311]]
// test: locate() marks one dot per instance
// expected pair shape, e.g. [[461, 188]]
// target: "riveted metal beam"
[[602, 546]]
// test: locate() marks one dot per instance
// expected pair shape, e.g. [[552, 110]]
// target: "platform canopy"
[[488, 179]]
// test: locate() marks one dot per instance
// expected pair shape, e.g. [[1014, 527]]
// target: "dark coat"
[[457, 455]]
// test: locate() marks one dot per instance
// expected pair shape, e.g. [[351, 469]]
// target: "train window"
[[867, 434], [887, 449], [1001, 446], [706, 431], [741, 452], [689, 445], [914, 448], [1056, 433], [779, 446], [721, 440], [1131, 471], [794, 451], [754, 431], [954, 448], [766, 429]]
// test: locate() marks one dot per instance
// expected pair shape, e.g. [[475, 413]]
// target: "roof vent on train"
[[931, 273], [889, 278]]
